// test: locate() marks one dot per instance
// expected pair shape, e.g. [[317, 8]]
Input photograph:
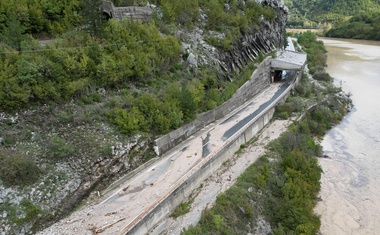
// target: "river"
[[350, 189]]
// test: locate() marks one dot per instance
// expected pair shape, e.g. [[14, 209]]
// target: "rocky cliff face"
[[270, 35]]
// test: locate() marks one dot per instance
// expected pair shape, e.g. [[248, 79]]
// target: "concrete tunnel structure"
[[128, 12], [286, 61]]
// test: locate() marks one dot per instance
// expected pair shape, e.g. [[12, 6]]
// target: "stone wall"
[[260, 79], [130, 12]]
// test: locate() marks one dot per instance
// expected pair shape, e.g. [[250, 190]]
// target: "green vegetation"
[[362, 26], [320, 13], [18, 170], [182, 209], [130, 52], [316, 55], [22, 213], [358, 19], [239, 18], [59, 148], [39, 17]]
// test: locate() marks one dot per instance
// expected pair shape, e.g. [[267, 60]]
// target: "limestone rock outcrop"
[[269, 35]]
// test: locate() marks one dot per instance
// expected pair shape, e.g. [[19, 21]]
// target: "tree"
[[12, 95], [92, 16], [183, 12], [188, 104], [14, 33]]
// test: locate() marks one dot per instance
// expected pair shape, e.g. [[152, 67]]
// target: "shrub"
[[322, 76], [303, 90], [181, 209], [188, 104], [128, 122], [18, 170], [59, 148]]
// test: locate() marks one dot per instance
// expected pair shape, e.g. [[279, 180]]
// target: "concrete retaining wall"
[[193, 179], [260, 79]]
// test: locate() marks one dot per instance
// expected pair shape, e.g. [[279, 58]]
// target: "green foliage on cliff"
[[127, 52], [22, 213], [40, 17], [233, 19]]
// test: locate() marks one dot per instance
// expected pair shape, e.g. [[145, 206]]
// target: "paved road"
[[133, 197], [231, 131]]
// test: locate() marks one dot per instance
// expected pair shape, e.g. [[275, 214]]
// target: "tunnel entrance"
[[285, 64], [279, 75], [106, 16]]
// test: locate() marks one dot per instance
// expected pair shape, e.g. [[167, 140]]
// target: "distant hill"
[[316, 13], [362, 26], [359, 19]]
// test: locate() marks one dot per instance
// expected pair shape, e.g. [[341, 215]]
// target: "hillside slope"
[[313, 13], [84, 109]]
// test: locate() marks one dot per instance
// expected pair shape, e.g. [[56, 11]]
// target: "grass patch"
[[182, 209]]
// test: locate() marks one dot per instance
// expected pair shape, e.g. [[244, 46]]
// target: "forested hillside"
[[87, 104], [362, 26], [358, 19], [315, 13]]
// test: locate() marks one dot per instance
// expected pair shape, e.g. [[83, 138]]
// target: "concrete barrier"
[[183, 188], [260, 80]]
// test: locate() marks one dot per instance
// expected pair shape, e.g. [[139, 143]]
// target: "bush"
[[322, 76], [128, 122], [18, 170], [181, 209], [59, 148], [284, 111], [303, 90]]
